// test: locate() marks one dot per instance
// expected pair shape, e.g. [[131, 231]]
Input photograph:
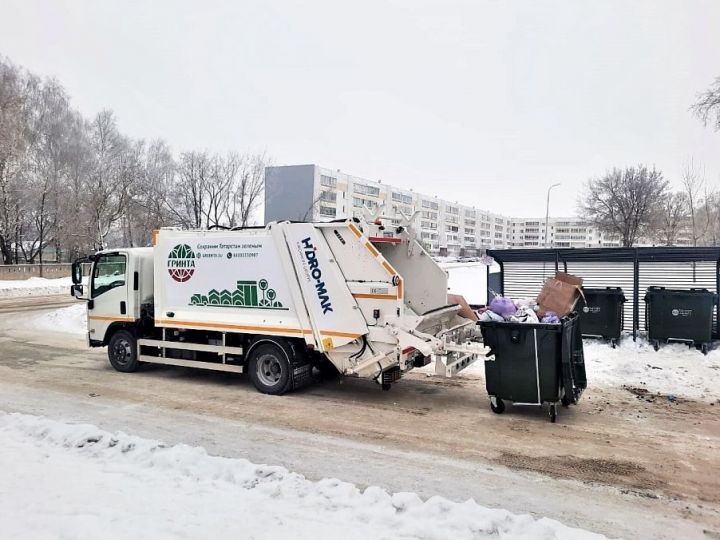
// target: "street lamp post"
[[547, 212]]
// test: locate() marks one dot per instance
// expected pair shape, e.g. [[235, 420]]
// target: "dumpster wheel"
[[704, 348], [553, 412], [497, 405]]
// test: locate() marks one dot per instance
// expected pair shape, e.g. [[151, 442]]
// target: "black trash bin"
[[680, 315], [533, 364], [601, 313]]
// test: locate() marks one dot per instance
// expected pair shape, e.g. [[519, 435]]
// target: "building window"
[[470, 222], [401, 198], [327, 210], [328, 181], [429, 215], [329, 196], [366, 190], [359, 203], [451, 209], [469, 231], [469, 213], [430, 204], [451, 219]]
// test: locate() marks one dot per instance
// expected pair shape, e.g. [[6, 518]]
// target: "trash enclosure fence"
[[523, 272]]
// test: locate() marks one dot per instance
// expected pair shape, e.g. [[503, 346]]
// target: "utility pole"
[[547, 212]]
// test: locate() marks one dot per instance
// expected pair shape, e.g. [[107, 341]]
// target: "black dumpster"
[[533, 364], [680, 315], [601, 313]]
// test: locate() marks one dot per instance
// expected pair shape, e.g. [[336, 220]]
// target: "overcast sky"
[[485, 102]]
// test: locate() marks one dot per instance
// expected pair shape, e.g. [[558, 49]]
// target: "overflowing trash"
[[523, 310], [556, 300]]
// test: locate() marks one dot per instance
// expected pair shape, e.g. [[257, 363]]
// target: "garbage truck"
[[351, 296]]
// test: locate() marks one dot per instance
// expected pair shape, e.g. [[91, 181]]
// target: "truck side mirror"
[[77, 273], [76, 290]]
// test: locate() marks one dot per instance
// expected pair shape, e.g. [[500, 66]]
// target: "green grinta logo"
[[181, 263]]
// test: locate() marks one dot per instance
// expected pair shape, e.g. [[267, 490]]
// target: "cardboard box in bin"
[[560, 294]]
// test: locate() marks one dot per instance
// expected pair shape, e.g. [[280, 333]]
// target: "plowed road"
[[613, 464]]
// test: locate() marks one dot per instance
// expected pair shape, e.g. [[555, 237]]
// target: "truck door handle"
[[123, 308]]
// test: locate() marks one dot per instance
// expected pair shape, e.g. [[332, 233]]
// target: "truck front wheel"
[[269, 367], [122, 351]]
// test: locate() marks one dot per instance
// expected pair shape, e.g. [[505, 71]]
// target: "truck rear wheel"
[[270, 367], [122, 351]]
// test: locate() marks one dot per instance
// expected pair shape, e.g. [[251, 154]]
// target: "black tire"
[[613, 343], [565, 401], [122, 351], [553, 412], [386, 386], [499, 408], [704, 348], [270, 366], [656, 345]]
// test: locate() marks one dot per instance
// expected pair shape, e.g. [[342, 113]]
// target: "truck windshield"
[[109, 273]]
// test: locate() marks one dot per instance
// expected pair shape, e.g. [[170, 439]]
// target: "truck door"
[[108, 294]]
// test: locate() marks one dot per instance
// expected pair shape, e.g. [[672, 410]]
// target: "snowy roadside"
[[34, 286], [73, 480], [67, 320]]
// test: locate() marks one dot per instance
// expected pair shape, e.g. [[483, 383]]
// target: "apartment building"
[[562, 232], [314, 193]]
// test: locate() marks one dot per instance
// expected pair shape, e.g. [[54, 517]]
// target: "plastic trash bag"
[[550, 317], [525, 315], [503, 306], [488, 315]]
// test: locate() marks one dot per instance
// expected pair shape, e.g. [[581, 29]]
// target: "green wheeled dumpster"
[[534, 363], [684, 315], [601, 313]]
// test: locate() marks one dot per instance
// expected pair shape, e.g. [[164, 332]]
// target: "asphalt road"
[[614, 464]]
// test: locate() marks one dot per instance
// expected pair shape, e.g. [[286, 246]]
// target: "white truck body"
[[368, 299]]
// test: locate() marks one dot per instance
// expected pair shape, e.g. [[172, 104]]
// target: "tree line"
[[70, 185], [636, 204]]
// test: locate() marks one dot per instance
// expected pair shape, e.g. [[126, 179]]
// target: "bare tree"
[[707, 105], [693, 182], [112, 175], [15, 86], [622, 201], [218, 191], [670, 218], [248, 188]]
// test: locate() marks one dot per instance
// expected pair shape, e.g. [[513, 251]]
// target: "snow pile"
[[34, 286], [73, 481], [69, 320], [673, 370]]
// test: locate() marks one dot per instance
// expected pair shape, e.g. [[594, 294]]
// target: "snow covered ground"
[[76, 481], [34, 286], [673, 370], [67, 320]]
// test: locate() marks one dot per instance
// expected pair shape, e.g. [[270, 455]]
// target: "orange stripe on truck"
[[242, 327], [339, 334], [251, 328], [355, 230], [375, 296], [372, 249], [110, 318]]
